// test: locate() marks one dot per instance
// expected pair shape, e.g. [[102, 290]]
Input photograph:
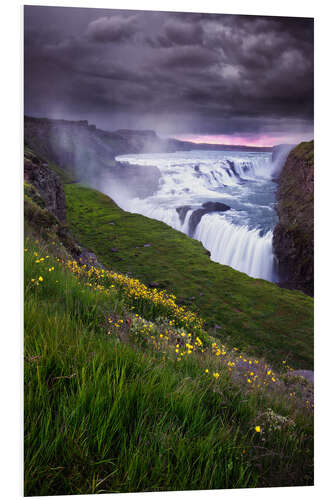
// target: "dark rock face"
[[232, 168], [88, 259], [47, 183], [45, 208], [182, 211], [215, 206], [293, 235], [208, 207]]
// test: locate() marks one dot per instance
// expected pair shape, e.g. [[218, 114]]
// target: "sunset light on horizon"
[[243, 140]]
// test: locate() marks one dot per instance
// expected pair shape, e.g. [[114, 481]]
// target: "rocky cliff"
[[45, 208], [293, 235], [38, 176]]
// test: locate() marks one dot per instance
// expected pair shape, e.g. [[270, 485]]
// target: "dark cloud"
[[113, 28], [187, 57], [179, 73], [176, 32]]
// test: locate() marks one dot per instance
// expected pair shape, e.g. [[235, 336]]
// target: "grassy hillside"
[[247, 313], [113, 405]]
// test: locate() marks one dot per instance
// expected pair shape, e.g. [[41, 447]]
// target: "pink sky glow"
[[244, 140]]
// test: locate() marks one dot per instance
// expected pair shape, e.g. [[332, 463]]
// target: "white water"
[[237, 246], [240, 237]]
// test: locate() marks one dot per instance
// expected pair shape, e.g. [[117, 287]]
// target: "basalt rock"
[[182, 211], [47, 183], [208, 207], [88, 259], [293, 235], [232, 168]]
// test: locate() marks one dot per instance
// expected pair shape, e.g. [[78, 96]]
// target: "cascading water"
[[237, 246], [224, 199]]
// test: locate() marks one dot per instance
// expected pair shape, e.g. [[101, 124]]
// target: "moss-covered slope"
[[293, 235]]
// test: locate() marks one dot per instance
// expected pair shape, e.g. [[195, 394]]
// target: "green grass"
[[252, 314], [304, 151], [106, 416]]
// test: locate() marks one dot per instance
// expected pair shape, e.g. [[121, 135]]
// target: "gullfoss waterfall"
[[223, 199]]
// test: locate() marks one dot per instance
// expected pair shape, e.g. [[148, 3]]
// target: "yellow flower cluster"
[[218, 350], [169, 340], [137, 292]]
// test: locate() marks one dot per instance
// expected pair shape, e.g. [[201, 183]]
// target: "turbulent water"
[[240, 237]]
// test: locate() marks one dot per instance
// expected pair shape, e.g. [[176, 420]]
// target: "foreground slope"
[[117, 401], [249, 313]]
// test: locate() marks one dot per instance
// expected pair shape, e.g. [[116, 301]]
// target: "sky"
[[230, 79]]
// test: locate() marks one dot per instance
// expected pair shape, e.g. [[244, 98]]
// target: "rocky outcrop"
[[47, 183], [208, 207], [196, 216], [293, 235], [182, 211], [45, 208]]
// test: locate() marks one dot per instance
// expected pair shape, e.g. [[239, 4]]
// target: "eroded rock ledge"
[[196, 216]]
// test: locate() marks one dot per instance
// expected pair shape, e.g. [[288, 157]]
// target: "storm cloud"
[[112, 29], [177, 73]]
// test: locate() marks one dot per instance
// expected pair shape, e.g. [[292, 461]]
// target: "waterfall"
[[240, 237], [242, 248]]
